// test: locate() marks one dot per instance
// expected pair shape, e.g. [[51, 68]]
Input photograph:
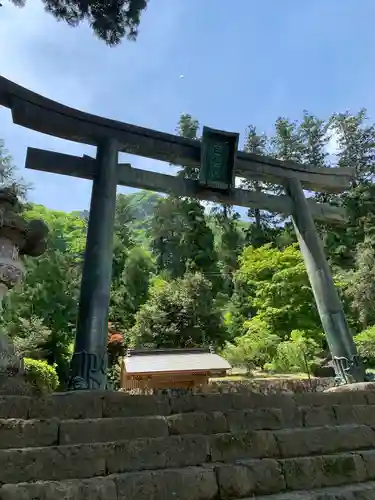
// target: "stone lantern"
[[18, 237]]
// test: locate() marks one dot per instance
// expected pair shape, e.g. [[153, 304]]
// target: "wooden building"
[[170, 368]]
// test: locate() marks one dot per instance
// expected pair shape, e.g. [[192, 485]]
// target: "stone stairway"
[[112, 446]]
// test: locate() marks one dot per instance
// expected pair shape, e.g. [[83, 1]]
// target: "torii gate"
[[219, 163]]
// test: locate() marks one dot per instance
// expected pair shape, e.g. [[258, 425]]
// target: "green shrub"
[[253, 349], [114, 376], [41, 375], [295, 355], [365, 342]]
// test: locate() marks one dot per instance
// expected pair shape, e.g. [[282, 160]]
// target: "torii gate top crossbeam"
[[38, 113]]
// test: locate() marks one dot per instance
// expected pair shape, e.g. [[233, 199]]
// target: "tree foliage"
[[253, 349], [8, 173], [181, 238], [277, 289], [110, 20], [179, 313]]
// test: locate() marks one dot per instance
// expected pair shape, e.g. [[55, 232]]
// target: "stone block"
[[157, 453], [330, 398], [235, 481], [368, 457], [52, 463], [250, 477], [355, 437], [231, 447], [111, 429], [197, 423], [359, 414], [16, 433], [370, 397], [324, 440], [68, 405], [323, 471], [83, 489], [15, 385], [119, 404], [193, 483], [201, 403], [317, 416], [363, 491], [256, 419], [284, 402], [14, 406], [250, 400]]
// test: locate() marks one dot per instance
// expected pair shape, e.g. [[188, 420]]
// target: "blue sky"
[[249, 64]]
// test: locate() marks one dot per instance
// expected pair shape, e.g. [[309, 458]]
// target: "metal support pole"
[[348, 366], [89, 362]]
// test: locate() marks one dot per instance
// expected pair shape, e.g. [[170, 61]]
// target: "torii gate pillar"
[[89, 362], [348, 366]]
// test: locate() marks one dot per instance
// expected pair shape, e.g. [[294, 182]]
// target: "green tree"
[[46, 302], [229, 239], [9, 175], [123, 239], [314, 134], [356, 144], [188, 127], [30, 336], [181, 238], [67, 230], [296, 355], [287, 143], [131, 290], [356, 149], [276, 289], [258, 230], [111, 20], [361, 285], [254, 348], [365, 342], [142, 205], [180, 313], [49, 293]]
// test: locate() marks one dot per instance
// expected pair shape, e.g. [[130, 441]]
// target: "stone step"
[[15, 433], [96, 404], [257, 480], [267, 476], [95, 459], [193, 483], [363, 491]]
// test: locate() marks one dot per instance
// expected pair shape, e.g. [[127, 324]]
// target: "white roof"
[[174, 361]]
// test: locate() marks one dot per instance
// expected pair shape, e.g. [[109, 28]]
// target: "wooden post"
[[347, 364], [89, 362]]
